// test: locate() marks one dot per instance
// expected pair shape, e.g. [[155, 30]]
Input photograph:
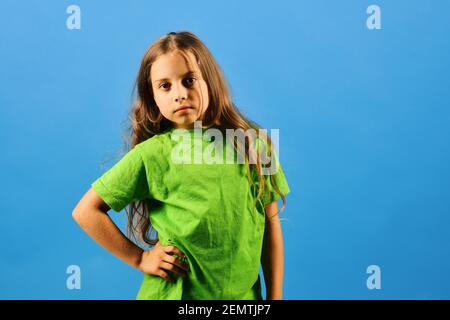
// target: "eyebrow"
[[184, 75]]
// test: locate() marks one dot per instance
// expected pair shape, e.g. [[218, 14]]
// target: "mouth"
[[183, 108]]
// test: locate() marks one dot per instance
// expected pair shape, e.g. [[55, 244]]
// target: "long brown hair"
[[147, 121]]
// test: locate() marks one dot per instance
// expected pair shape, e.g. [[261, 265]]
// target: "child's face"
[[175, 84]]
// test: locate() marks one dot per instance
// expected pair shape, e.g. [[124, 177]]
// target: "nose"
[[180, 93]]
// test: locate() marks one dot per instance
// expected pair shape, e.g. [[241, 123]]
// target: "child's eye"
[[163, 84], [190, 81]]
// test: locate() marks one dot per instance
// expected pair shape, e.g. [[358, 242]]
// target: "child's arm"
[[272, 257], [91, 214]]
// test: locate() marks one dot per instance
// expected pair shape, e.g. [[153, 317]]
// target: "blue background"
[[364, 135]]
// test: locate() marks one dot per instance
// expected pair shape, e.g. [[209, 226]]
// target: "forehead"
[[173, 65]]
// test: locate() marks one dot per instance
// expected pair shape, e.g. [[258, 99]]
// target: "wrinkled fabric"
[[205, 210]]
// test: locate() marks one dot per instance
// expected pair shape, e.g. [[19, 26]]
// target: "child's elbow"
[[77, 215], [80, 214], [88, 207]]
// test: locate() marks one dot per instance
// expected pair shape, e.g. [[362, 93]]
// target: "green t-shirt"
[[204, 209]]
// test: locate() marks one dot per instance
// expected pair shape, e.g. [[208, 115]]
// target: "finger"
[[173, 268], [165, 276], [173, 249], [175, 261]]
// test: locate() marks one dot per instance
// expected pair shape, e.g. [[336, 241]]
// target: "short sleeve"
[[281, 182], [275, 170], [123, 183]]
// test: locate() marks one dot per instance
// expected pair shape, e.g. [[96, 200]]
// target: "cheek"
[[160, 101]]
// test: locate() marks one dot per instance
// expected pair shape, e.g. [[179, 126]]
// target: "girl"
[[214, 222]]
